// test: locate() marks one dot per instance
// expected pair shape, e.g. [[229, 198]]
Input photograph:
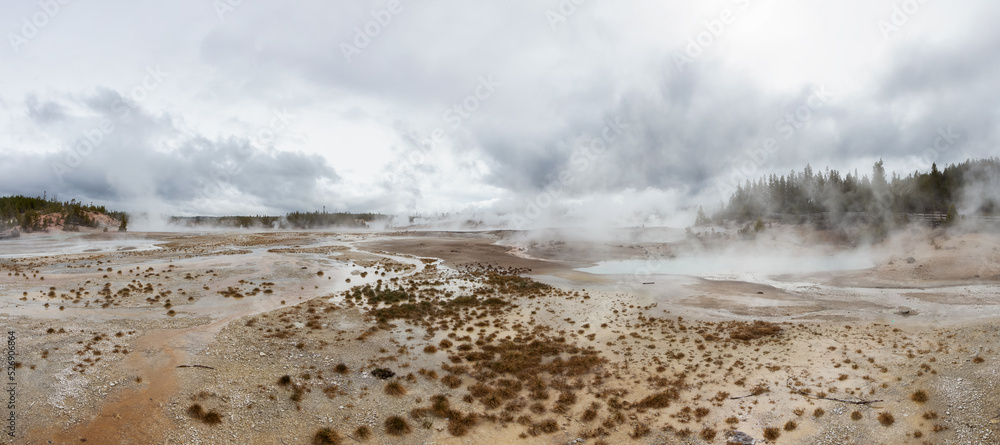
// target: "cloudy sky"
[[523, 107]]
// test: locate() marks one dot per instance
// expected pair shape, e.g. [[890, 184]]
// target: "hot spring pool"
[[66, 243], [713, 265]]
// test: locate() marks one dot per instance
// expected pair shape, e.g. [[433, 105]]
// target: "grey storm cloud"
[[392, 115], [122, 160], [44, 113]]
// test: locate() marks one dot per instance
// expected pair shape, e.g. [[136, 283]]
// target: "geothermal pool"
[[69, 243], [731, 264]]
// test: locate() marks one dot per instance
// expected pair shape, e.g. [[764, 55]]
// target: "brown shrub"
[[326, 436], [548, 426], [363, 432], [440, 407], [739, 330], [640, 430], [707, 434], [452, 381], [210, 417], [397, 426], [460, 424], [772, 433], [659, 400], [196, 411], [395, 389]]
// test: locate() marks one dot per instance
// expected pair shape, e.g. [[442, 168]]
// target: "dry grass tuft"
[[659, 400], [395, 389], [919, 396], [452, 381], [707, 434], [196, 411], [210, 417], [739, 330], [363, 432], [772, 433], [326, 436], [640, 430], [460, 424], [397, 426], [886, 418], [547, 426]]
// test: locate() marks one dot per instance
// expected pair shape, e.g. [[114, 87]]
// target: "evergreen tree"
[[795, 196], [702, 219], [952, 216]]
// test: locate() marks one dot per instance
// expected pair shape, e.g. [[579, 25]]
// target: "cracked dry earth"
[[442, 338]]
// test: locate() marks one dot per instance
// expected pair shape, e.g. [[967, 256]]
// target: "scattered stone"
[[740, 438]]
